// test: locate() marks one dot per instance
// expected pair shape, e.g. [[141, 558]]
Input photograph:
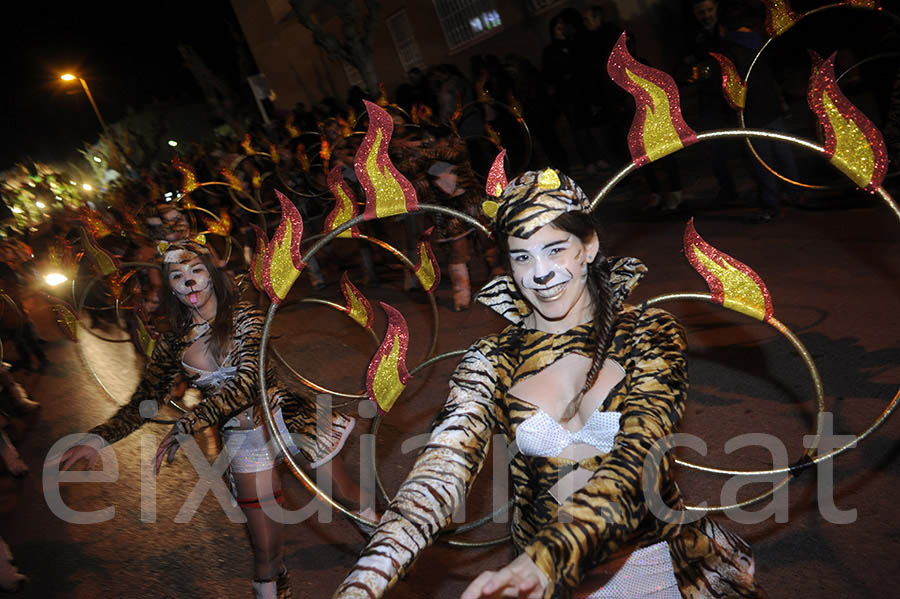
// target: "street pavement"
[[833, 276]]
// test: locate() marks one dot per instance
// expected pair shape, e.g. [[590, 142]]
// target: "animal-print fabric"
[[316, 430], [609, 516]]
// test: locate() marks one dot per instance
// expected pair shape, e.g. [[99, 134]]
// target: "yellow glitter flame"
[[780, 16], [146, 340], [741, 293], [660, 136], [389, 197], [358, 307], [425, 271], [345, 211], [282, 270], [66, 319], [548, 179], [387, 384], [104, 262], [852, 155]]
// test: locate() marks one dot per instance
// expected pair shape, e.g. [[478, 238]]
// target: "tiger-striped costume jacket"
[[609, 515], [238, 393]]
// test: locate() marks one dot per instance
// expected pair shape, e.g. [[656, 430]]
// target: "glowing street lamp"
[[87, 91]]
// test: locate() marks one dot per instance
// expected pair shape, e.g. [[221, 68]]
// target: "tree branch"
[[324, 39]]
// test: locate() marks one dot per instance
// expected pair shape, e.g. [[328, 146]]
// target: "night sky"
[[126, 51]]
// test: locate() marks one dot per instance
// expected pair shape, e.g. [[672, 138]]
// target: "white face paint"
[[550, 270], [190, 281]]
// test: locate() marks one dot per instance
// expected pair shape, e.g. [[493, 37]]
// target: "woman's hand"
[[166, 450], [89, 451], [520, 578]]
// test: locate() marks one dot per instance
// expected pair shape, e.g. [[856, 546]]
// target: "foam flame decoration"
[[248, 149], [658, 128], [282, 263], [358, 307], [873, 4], [104, 262], [779, 17], [146, 338], [116, 282], [256, 264], [95, 225], [273, 153], [188, 176], [496, 179], [66, 319], [256, 179], [219, 226], [325, 150], [382, 97], [352, 117], [290, 127], [427, 270], [302, 158], [852, 142], [733, 85], [232, 179], [387, 376], [732, 284], [344, 204], [387, 191]]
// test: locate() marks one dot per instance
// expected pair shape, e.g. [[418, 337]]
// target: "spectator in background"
[[764, 109], [710, 111]]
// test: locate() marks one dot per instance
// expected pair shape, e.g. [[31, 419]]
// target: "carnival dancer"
[[216, 341], [589, 388]]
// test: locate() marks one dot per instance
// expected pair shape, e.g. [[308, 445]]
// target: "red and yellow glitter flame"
[[658, 128], [357, 307], [302, 158], [66, 319], [427, 270], [496, 179], [146, 338], [219, 226], [188, 177], [290, 127], [95, 225], [116, 282], [259, 256], [273, 153], [387, 376], [779, 17], [344, 204], [873, 4], [733, 86], [732, 284], [256, 179], [246, 144], [232, 179], [852, 142], [387, 191], [282, 263], [104, 262]]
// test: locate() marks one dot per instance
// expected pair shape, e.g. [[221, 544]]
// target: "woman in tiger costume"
[[216, 342], [589, 388]]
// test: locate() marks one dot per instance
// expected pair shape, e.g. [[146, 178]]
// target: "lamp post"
[[87, 92]]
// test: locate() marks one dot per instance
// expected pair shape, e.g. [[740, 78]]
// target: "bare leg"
[[255, 490]]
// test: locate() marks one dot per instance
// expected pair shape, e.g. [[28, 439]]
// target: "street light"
[[87, 91]]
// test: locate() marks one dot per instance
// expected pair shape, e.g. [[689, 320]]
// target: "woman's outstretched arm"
[[437, 484]]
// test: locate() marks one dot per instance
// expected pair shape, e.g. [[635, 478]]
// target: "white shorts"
[[252, 449]]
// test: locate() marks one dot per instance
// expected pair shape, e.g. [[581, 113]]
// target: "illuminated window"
[[467, 21]]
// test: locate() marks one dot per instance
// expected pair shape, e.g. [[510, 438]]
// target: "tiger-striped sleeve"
[[155, 382], [240, 390], [611, 505], [437, 484]]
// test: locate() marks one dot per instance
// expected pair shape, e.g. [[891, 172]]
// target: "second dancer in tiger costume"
[[588, 387]]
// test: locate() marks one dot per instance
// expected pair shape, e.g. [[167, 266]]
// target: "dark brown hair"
[[582, 225], [179, 315]]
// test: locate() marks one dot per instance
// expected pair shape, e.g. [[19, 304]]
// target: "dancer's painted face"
[[550, 270], [190, 281]]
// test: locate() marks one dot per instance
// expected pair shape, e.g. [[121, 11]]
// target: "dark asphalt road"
[[833, 275]]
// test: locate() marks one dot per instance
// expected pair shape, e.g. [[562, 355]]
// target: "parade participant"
[[588, 387], [216, 342]]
